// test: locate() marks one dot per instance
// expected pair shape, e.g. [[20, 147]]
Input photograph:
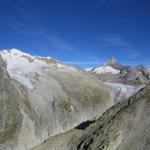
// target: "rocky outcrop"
[[135, 75], [113, 62], [125, 126]]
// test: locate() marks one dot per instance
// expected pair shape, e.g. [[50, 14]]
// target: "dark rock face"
[[112, 62], [135, 75]]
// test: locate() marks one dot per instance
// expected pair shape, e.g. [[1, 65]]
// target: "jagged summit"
[[113, 71], [111, 66], [111, 61]]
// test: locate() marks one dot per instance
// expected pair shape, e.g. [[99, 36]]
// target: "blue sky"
[[78, 32]]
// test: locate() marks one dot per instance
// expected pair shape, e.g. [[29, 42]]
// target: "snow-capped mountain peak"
[[106, 69], [111, 66], [22, 66], [15, 51], [19, 64]]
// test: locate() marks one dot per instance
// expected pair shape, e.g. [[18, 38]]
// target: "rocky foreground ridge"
[[125, 126]]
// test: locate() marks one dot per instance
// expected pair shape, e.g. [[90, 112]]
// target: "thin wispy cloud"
[[133, 54], [115, 41], [33, 29], [111, 40], [46, 29], [118, 43]]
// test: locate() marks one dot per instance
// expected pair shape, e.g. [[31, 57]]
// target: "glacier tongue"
[[124, 91]]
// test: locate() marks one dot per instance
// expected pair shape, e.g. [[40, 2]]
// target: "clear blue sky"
[[78, 32]]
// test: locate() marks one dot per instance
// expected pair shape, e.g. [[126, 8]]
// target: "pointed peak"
[[111, 61]]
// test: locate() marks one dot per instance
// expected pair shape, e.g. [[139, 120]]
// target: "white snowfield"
[[88, 69], [21, 65], [106, 69]]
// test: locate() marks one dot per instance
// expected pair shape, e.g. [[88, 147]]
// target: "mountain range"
[[47, 105], [113, 71]]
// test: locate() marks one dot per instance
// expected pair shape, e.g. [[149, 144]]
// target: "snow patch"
[[106, 69]]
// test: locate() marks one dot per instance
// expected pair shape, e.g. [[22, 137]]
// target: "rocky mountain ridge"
[[113, 71]]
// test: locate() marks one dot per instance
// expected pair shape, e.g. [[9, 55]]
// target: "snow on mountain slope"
[[21, 65], [106, 69]]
